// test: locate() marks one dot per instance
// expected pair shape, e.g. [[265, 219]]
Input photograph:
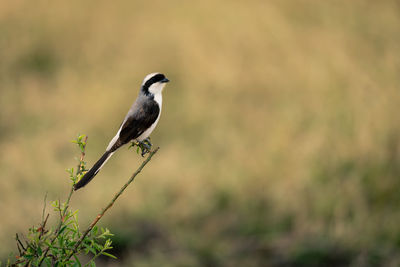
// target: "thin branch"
[[111, 203], [42, 227], [79, 170], [26, 242], [44, 206], [19, 250], [19, 241], [64, 212]]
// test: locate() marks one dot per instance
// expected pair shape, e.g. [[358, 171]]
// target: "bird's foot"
[[147, 141], [144, 146]]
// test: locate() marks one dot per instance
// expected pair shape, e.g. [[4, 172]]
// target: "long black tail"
[[93, 171]]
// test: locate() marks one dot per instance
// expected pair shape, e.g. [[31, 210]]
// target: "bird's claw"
[[147, 141], [145, 146]]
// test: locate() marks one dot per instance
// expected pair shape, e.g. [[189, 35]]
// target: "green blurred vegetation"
[[279, 134]]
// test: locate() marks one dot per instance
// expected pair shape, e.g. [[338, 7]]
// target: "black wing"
[[139, 122]]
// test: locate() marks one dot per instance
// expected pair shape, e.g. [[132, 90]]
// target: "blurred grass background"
[[279, 134]]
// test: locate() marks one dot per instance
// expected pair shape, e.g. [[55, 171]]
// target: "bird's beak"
[[165, 80]]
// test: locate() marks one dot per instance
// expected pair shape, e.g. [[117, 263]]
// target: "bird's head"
[[154, 83]]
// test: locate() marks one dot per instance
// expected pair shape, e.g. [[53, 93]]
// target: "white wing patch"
[[115, 138]]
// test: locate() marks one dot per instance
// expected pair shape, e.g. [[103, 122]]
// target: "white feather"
[[115, 138]]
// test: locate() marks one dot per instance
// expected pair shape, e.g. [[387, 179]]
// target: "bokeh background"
[[279, 137]]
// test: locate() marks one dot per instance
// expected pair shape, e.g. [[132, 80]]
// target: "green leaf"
[[95, 230], [90, 249], [54, 250], [108, 244], [60, 241], [28, 256], [70, 171], [77, 263], [55, 203], [109, 255], [62, 229], [72, 244], [97, 246], [39, 251]]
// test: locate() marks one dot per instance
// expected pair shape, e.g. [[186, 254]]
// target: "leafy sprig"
[[60, 245]]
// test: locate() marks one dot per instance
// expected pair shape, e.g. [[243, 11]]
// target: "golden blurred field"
[[280, 134]]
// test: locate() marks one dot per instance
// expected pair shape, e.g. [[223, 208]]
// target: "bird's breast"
[[145, 134]]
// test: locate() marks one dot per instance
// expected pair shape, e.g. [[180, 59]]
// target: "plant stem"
[[111, 203], [64, 211]]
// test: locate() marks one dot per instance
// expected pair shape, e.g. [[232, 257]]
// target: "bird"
[[137, 125]]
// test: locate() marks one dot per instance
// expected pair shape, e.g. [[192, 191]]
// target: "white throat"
[[158, 99], [156, 90]]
